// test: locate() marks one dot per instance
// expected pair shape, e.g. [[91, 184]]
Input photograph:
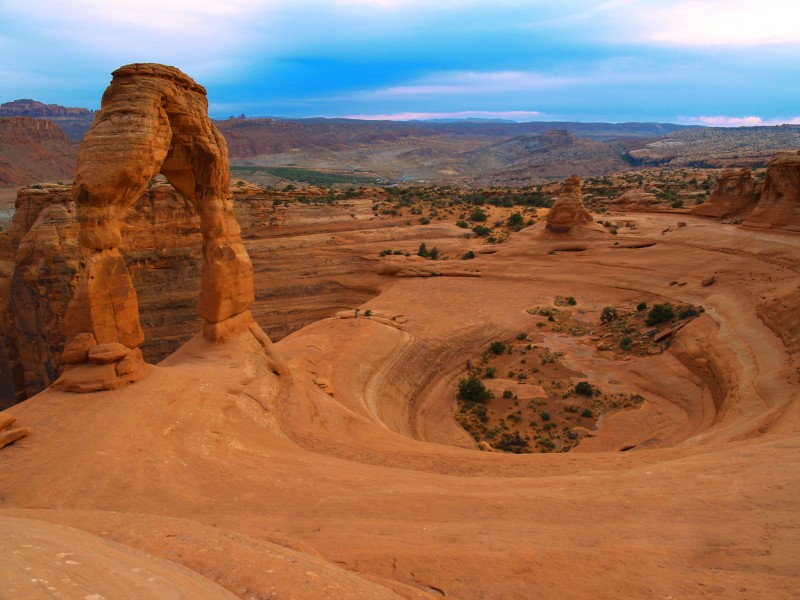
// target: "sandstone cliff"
[[779, 207], [40, 259], [33, 150], [735, 195]]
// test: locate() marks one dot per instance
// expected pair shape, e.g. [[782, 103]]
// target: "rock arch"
[[153, 119]]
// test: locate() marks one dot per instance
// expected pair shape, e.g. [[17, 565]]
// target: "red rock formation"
[[734, 196], [568, 212], [636, 199], [33, 150], [39, 262], [153, 119], [779, 207]]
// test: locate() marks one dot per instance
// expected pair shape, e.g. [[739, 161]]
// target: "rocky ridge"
[[33, 150]]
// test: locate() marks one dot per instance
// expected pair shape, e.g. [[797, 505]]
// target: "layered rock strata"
[[568, 212], [735, 195], [779, 207], [40, 264], [153, 119], [33, 150]]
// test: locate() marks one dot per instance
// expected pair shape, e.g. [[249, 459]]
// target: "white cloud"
[[703, 22], [471, 82], [513, 115], [724, 121]]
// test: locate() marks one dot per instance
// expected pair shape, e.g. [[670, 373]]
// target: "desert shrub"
[[626, 343], [424, 221], [522, 336], [472, 389], [544, 415], [508, 394], [480, 412], [584, 388], [660, 313], [423, 250], [491, 372], [641, 306], [385, 252], [469, 255], [434, 253], [478, 215], [497, 348], [609, 314], [481, 230], [516, 221], [587, 413], [462, 224], [688, 311]]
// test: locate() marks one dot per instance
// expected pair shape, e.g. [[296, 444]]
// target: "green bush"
[[609, 314], [424, 221], [584, 388], [626, 343], [587, 413], [478, 215], [469, 255], [481, 230], [641, 306], [516, 221], [462, 224], [423, 250], [497, 348], [472, 389], [660, 313]]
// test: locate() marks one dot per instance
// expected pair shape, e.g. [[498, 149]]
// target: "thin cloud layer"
[[618, 60]]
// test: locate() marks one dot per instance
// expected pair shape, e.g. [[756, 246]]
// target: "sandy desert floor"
[[350, 478]]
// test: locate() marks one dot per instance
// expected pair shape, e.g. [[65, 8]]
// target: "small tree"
[[472, 389], [478, 215], [497, 348], [584, 388], [423, 250], [516, 221], [660, 313]]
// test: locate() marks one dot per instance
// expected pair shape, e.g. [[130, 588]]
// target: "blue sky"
[[718, 62]]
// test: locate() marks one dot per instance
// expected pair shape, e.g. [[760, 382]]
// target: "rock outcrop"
[[735, 195], [33, 150], [636, 199], [779, 207], [40, 262], [153, 119], [568, 214]]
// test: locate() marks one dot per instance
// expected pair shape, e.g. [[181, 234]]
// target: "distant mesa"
[[735, 195], [33, 108], [153, 119], [33, 149]]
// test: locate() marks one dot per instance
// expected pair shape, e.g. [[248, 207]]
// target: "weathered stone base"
[[108, 371]]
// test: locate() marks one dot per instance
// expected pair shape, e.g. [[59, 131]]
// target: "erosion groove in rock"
[[153, 119]]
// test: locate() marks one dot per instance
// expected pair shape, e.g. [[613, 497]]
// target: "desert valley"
[[328, 358]]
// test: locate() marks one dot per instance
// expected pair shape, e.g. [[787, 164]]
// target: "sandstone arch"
[[153, 119]]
